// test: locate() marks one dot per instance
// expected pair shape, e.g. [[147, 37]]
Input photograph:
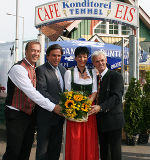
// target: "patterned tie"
[[98, 87], [33, 77]]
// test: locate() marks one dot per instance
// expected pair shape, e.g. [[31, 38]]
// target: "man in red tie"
[[110, 117]]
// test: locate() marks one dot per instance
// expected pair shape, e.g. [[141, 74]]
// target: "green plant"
[[145, 103], [132, 108]]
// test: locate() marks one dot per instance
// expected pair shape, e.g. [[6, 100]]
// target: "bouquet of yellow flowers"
[[75, 106]]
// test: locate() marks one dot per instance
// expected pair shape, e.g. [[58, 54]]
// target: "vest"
[[87, 89], [15, 97]]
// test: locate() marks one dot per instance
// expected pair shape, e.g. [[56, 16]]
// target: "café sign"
[[65, 10]]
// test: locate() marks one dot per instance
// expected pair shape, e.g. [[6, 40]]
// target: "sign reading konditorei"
[[65, 10]]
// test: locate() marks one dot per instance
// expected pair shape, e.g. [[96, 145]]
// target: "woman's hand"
[[95, 109]]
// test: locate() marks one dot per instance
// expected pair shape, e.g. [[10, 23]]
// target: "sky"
[[27, 10]]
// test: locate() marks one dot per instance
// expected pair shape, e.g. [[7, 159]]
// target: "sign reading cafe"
[[64, 10]]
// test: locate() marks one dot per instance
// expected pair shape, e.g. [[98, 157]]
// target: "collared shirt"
[[19, 76], [58, 74], [104, 72], [79, 80]]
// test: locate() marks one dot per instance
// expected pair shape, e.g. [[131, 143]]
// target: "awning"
[[113, 52]]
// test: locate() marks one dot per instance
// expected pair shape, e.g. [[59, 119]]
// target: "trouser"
[[20, 129], [110, 144], [49, 136]]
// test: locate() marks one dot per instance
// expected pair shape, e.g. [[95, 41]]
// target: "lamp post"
[[9, 14], [137, 42], [17, 27]]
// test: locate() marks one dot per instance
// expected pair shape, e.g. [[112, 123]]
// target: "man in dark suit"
[[110, 117], [50, 83]]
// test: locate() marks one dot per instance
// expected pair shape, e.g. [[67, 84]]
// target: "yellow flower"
[[75, 105], [78, 97], [69, 93], [71, 113], [69, 103], [89, 102], [84, 108]]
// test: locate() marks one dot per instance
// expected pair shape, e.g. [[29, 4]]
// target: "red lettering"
[[51, 10], [39, 14], [56, 9], [125, 13], [131, 14], [116, 16], [46, 14]]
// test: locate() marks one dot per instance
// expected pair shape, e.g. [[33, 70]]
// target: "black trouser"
[[49, 136], [20, 129], [110, 142]]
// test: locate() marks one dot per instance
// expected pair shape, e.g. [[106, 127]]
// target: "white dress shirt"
[[19, 76], [104, 72], [78, 80], [59, 77]]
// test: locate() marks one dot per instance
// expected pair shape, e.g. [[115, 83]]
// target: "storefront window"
[[113, 28], [109, 28], [125, 30], [101, 28]]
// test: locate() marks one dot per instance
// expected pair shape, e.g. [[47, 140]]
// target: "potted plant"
[[145, 103], [132, 111]]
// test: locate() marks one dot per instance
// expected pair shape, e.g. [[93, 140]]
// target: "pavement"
[[137, 152]]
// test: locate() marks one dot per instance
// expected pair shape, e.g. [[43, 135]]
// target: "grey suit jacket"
[[47, 82], [48, 85]]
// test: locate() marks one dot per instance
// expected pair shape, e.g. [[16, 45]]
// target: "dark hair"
[[81, 50], [52, 47], [29, 44]]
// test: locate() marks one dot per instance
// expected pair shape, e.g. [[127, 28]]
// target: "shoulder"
[[41, 67], [62, 67], [68, 71], [17, 68], [115, 73], [116, 77], [17, 71]]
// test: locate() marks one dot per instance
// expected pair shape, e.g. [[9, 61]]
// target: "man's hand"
[[95, 109], [57, 109]]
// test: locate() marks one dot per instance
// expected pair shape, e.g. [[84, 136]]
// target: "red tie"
[[98, 87]]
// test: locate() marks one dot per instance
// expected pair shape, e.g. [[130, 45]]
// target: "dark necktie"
[[98, 87]]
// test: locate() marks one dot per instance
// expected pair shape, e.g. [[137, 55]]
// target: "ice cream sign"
[[65, 10]]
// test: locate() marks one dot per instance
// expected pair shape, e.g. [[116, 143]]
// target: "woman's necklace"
[[82, 73]]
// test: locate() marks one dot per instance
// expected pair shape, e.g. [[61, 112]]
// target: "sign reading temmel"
[[62, 10]]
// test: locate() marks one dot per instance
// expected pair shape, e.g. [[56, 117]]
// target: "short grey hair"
[[97, 53]]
